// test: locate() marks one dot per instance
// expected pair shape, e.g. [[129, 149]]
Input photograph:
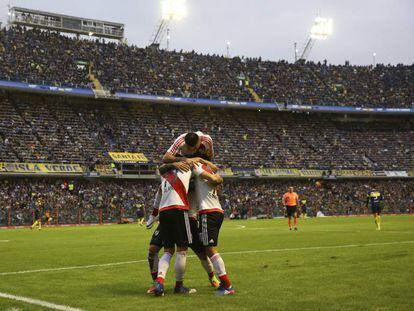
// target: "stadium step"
[[96, 84], [98, 89], [255, 96]]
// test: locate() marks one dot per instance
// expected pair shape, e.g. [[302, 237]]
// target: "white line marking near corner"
[[4, 241], [224, 253], [38, 302]]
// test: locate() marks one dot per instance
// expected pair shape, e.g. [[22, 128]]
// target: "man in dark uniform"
[[304, 208], [140, 214], [37, 219], [375, 200]]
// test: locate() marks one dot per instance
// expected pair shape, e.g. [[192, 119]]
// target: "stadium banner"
[[4, 84], [263, 105], [45, 88], [353, 173], [128, 157], [276, 172], [396, 174], [225, 172], [40, 168], [197, 101], [379, 173], [297, 107], [243, 171], [311, 173]]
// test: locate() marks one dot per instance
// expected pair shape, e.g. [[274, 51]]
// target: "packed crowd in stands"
[[44, 56], [52, 129], [58, 130], [114, 201], [73, 202], [329, 197]]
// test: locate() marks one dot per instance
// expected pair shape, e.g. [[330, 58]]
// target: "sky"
[[266, 28]]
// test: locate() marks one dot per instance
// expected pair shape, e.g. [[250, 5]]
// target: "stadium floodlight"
[[173, 9], [320, 30], [170, 10]]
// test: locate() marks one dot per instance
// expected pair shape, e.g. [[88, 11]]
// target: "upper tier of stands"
[[51, 58]]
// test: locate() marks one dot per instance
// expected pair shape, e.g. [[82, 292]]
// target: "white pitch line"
[[38, 302], [224, 253], [315, 248], [76, 267], [4, 241]]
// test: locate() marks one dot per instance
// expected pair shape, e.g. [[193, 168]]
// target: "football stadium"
[[191, 171]]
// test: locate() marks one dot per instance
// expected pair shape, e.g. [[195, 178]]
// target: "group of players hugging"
[[189, 214]]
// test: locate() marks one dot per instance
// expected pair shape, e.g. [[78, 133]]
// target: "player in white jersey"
[[156, 241], [174, 224], [211, 219], [190, 145], [197, 246]]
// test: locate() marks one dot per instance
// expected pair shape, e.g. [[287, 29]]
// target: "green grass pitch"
[[329, 264]]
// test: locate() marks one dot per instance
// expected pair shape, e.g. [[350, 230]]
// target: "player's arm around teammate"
[[156, 242]]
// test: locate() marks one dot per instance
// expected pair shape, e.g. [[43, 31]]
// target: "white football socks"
[[164, 264], [179, 265], [218, 264]]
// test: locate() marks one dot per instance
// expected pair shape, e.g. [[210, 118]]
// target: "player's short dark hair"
[[191, 139]]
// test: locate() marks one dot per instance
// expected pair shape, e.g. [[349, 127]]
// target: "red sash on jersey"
[[207, 168], [179, 187]]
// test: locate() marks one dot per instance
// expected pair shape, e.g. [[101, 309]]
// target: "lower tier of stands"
[[53, 129], [113, 201]]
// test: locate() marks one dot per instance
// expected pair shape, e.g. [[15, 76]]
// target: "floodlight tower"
[[9, 14], [170, 10], [321, 30], [228, 49]]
